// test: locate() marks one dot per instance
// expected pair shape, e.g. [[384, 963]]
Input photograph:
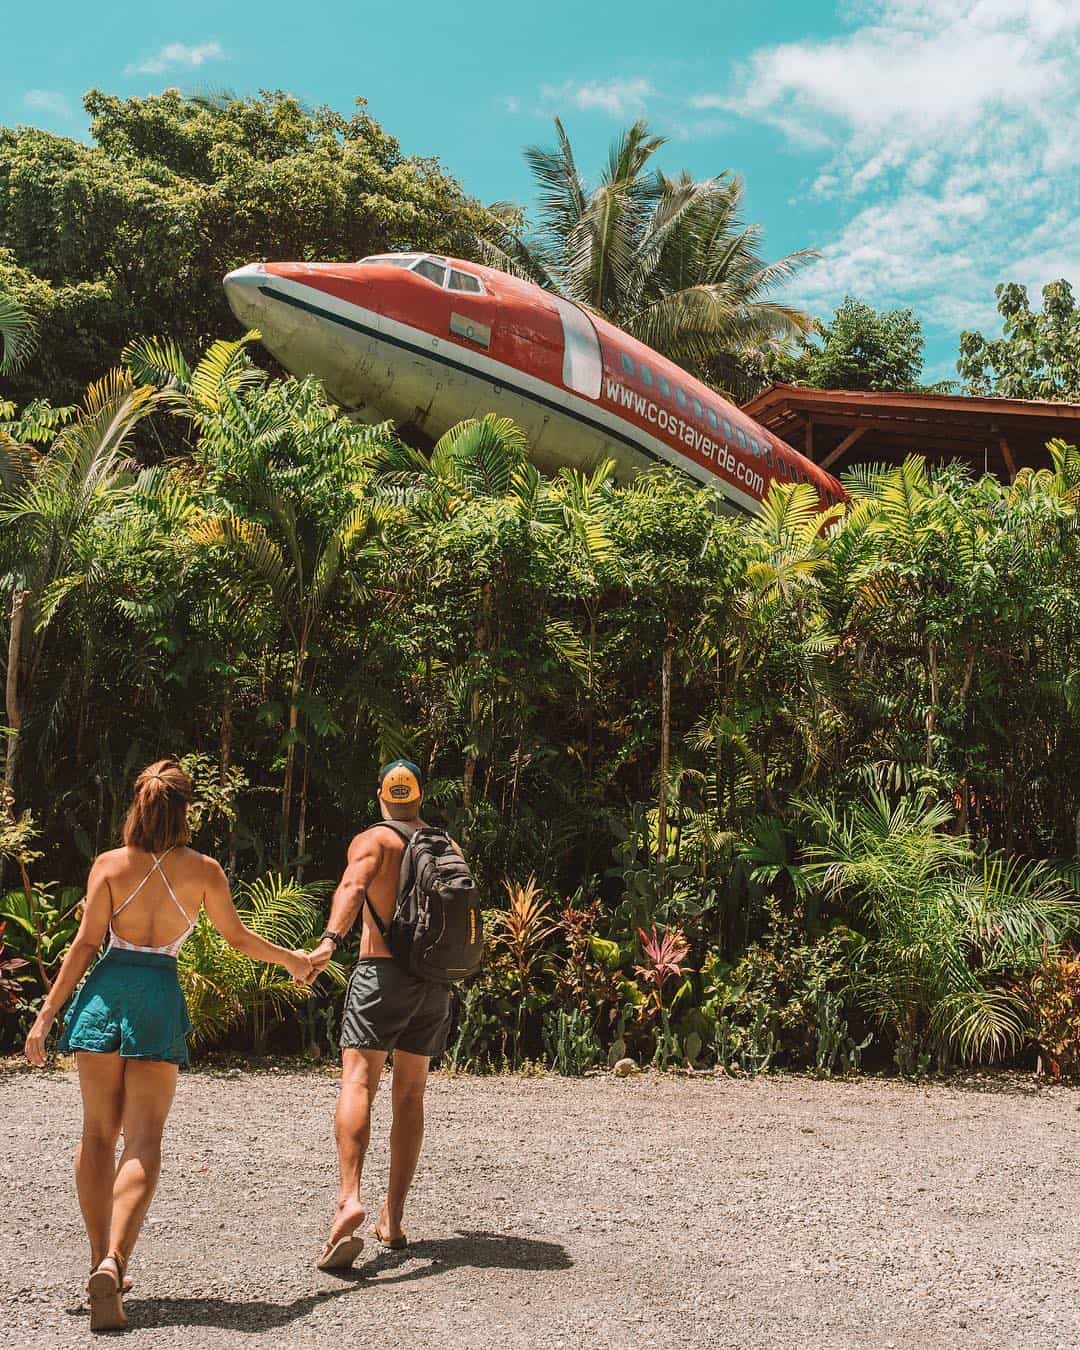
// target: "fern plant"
[[225, 989], [950, 931]]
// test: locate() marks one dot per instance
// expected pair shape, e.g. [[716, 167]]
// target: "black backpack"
[[437, 929]]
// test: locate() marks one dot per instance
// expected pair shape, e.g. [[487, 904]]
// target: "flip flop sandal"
[[105, 1288], [127, 1286], [397, 1244], [341, 1254]]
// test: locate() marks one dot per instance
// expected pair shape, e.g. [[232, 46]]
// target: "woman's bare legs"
[[101, 1078], [149, 1088]]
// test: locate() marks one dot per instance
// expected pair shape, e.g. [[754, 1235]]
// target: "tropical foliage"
[[800, 789], [101, 241], [1038, 353], [858, 348]]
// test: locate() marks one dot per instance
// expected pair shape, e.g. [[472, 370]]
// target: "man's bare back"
[[382, 849]]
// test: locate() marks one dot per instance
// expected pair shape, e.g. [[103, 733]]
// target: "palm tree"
[[287, 518], [668, 259], [474, 494], [18, 335], [950, 928], [47, 515]]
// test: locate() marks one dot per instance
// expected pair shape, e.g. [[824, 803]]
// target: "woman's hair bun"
[[157, 820]]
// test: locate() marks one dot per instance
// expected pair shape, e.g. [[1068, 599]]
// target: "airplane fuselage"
[[428, 341]]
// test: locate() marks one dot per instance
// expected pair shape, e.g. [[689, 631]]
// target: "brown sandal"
[[106, 1290], [126, 1287], [341, 1254], [397, 1244]]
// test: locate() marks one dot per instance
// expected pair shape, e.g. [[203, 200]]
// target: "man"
[[386, 1009]]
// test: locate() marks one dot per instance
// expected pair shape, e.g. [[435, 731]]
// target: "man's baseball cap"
[[400, 783]]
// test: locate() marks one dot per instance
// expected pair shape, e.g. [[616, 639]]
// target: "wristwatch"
[[330, 936]]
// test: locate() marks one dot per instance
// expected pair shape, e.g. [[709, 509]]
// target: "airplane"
[[429, 341]]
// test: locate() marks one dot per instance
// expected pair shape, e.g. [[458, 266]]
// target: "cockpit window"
[[391, 259], [462, 281], [433, 271]]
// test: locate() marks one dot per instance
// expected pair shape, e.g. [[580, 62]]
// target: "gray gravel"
[[548, 1212]]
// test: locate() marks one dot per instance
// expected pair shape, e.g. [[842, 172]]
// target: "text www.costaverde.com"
[[674, 425]]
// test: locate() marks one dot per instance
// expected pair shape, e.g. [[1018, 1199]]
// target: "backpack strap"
[[404, 830]]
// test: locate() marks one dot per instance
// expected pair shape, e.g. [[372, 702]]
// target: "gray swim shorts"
[[386, 1008]]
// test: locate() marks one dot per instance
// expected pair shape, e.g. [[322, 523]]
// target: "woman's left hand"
[[34, 1049]]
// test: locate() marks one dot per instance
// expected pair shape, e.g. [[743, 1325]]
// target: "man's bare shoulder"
[[370, 842]]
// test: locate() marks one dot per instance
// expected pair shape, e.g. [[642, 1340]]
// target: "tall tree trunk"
[[290, 753], [225, 762], [483, 633], [225, 739], [13, 708], [301, 829], [931, 712], [665, 746]]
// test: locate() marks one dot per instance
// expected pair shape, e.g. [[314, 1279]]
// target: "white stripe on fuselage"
[[500, 373]]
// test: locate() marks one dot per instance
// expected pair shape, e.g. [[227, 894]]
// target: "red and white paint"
[[428, 341]]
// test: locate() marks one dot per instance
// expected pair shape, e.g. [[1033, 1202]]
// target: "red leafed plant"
[[10, 990], [664, 956]]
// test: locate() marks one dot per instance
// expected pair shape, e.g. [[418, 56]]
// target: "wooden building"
[[839, 427]]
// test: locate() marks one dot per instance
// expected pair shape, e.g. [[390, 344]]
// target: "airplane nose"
[[246, 273], [242, 292]]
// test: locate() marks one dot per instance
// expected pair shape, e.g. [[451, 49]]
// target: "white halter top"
[[171, 948]]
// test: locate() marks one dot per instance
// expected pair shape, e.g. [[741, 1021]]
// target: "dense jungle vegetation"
[[800, 790]]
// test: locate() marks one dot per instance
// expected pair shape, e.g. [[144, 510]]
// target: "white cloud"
[[47, 101], [950, 126], [177, 54], [616, 98]]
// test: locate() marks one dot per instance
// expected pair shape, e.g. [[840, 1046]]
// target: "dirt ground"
[[651, 1211]]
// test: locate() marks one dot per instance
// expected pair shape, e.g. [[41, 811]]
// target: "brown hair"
[[157, 819]]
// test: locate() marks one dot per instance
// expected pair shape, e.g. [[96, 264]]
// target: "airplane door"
[[583, 365]]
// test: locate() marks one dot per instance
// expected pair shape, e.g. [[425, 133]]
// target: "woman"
[[128, 1023]]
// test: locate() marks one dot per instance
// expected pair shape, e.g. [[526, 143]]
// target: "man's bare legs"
[[360, 1074], [406, 1137], [149, 1088], [101, 1078]]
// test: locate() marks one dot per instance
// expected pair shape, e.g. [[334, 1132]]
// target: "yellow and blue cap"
[[400, 783]]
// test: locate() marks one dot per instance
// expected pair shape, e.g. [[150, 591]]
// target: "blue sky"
[[927, 148]]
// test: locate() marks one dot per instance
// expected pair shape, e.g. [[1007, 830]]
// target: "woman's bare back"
[[149, 916]]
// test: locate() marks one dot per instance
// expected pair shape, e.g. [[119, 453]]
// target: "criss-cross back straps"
[[161, 872]]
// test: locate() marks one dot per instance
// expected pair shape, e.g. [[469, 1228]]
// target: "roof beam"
[[846, 444], [1007, 456]]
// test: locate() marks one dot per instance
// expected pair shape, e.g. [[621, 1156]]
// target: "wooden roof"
[[840, 427]]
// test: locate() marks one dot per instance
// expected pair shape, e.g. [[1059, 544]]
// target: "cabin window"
[[680, 396], [665, 388], [713, 420], [729, 431], [627, 364], [741, 437], [781, 465], [462, 281], [433, 271], [754, 447], [697, 408], [646, 376]]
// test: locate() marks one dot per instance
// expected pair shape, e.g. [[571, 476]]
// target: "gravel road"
[[651, 1211]]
